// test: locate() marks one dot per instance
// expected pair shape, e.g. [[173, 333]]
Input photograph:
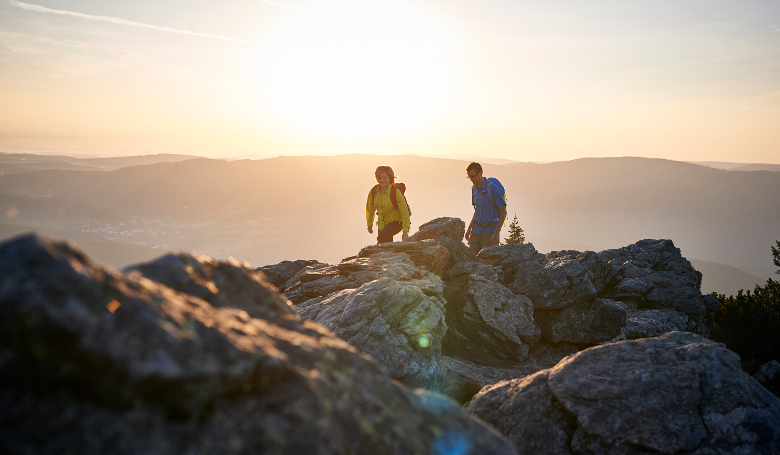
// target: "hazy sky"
[[530, 81]]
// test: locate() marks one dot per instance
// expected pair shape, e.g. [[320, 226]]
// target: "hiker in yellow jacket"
[[391, 218]]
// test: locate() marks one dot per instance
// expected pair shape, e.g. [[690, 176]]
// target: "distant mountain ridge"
[[739, 166], [24, 162], [312, 207]]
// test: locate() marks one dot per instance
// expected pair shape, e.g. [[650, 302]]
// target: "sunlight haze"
[[518, 80]]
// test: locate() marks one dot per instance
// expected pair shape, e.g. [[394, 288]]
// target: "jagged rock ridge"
[[501, 309], [536, 321]]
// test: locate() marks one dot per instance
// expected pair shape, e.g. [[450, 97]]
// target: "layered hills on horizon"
[[312, 207]]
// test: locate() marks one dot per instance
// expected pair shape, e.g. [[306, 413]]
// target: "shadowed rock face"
[[678, 393], [653, 323], [488, 314], [463, 378], [223, 284], [93, 361], [582, 323], [650, 273], [556, 282], [550, 281], [768, 375], [654, 274]]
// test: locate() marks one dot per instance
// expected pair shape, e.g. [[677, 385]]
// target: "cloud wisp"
[[118, 21]]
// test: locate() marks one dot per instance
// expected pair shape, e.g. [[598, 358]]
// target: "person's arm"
[[498, 200], [496, 237], [471, 225], [370, 209], [403, 209], [473, 217]]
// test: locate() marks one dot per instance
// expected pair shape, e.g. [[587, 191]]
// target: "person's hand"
[[468, 235], [404, 236], [495, 238], [370, 230]]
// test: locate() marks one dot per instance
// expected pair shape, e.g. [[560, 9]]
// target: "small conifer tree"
[[776, 255], [516, 234]]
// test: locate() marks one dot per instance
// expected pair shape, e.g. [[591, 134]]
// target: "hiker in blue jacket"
[[487, 197]]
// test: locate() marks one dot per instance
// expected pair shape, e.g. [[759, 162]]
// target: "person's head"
[[384, 172], [474, 172]]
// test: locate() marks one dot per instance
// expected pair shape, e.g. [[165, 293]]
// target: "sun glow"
[[358, 68]]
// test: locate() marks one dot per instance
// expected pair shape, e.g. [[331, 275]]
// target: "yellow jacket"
[[386, 211]]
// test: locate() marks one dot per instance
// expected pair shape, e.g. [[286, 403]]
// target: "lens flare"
[[452, 443], [424, 342], [113, 305]]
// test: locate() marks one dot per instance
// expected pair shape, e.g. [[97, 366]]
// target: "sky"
[[690, 80]]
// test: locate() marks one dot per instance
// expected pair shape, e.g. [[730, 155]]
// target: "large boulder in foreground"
[[96, 362], [675, 394]]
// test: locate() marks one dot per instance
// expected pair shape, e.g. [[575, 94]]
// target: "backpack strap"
[[474, 193], [373, 192], [393, 194], [393, 197], [490, 193]]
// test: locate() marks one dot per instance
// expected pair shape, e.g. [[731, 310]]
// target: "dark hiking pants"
[[387, 232]]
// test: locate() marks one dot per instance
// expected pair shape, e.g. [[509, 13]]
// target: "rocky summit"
[[508, 312], [513, 314], [189, 355], [566, 352]]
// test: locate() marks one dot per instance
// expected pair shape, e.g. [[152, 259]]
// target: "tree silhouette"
[[749, 324], [516, 235], [776, 256]]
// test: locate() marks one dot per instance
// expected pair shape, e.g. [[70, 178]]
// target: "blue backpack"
[[489, 182]]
